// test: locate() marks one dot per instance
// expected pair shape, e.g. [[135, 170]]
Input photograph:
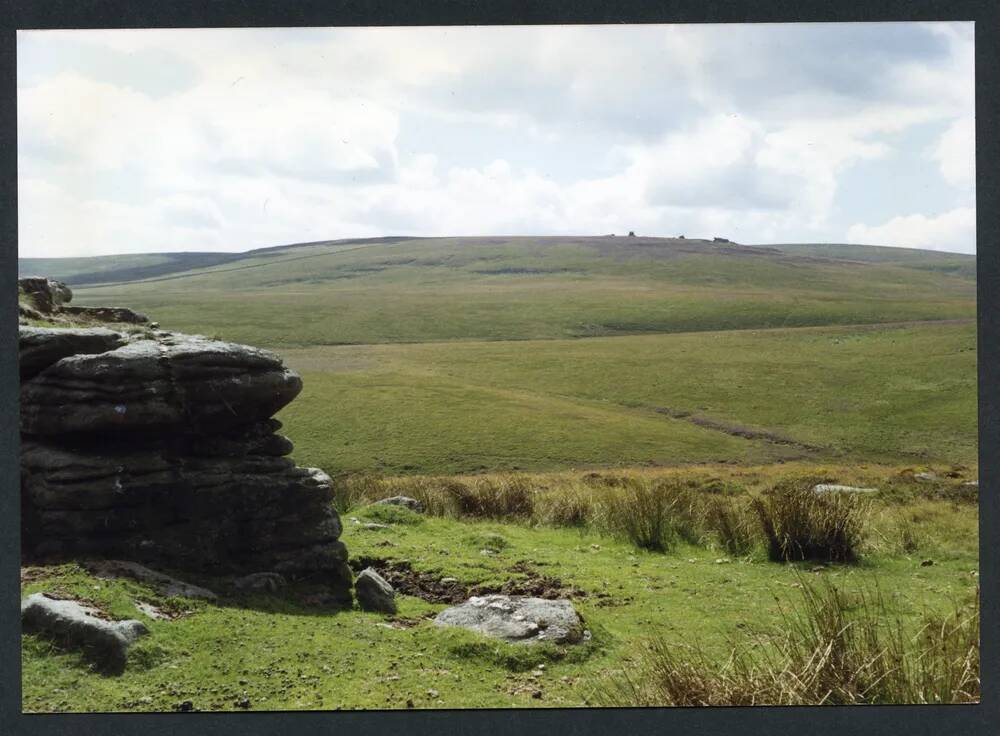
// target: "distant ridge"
[[89, 270], [959, 264], [94, 270]]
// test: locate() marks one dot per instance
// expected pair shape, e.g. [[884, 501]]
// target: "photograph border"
[[816, 720]]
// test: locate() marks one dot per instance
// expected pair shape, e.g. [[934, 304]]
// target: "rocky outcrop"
[[517, 619], [172, 383], [160, 449], [45, 294], [75, 625], [49, 298]]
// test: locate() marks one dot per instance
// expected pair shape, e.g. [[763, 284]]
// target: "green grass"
[[450, 355], [840, 648], [280, 653], [530, 288], [875, 394], [398, 423]]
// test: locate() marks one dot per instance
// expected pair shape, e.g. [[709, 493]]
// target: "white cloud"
[[954, 230], [303, 133], [284, 135], [947, 83], [956, 153]]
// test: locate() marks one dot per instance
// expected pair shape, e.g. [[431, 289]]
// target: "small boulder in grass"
[[517, 619], [75, 625], [374, 593], [405, 501], [835, 488]]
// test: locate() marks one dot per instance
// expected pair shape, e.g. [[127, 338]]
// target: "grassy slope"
[[953, 263], [96, 269], [469, 398], [531, 288], [447, 407], [283, 654], [138, 266]]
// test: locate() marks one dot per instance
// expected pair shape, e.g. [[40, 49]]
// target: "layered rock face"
[[161, 449]]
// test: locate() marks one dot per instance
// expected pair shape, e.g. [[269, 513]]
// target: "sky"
[[136, 141]]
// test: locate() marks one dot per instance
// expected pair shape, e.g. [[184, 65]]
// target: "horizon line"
[[473, 237]]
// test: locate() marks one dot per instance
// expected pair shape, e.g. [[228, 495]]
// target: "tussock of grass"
[[652, 515], [503, 497], [799, 524], [907, 534], [732, 523], [836, 650], [350, 492], [569, 504]]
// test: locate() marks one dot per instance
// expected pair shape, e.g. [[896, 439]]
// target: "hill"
[[445, 355], [954, 263], [139, 266], [128, 267], [522, 288]]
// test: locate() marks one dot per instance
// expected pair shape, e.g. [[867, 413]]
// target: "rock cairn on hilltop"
[[161, 448], [46, 298]]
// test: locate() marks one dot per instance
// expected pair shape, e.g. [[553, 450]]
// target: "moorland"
[[540, 395]]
